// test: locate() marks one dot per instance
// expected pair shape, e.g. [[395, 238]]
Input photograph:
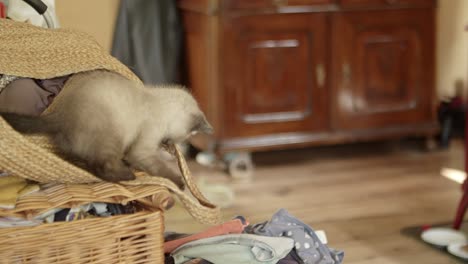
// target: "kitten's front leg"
[[105, 160], [159, 168], [113, 171]]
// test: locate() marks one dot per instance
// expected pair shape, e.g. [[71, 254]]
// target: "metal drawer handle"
[[346, 71], [321, 75]]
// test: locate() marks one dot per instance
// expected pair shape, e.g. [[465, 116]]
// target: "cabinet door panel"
[[275, 74], [276, 87], [384, 74], [388, 63]]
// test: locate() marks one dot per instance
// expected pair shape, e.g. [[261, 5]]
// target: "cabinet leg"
[[238, 165]]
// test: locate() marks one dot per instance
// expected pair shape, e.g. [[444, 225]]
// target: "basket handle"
[[200, 208]]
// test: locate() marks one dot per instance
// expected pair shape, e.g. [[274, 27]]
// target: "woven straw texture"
[[135, 238], [29, 51], [152, 197]]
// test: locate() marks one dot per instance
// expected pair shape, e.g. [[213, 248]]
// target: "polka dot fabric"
[[307, 245]]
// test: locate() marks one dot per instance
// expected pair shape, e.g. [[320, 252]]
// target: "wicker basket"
[[131, 238], [134, 238]]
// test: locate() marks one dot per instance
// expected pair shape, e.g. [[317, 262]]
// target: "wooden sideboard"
[[281, 73]]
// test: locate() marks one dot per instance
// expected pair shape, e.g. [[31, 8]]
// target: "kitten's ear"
[[201, 125]]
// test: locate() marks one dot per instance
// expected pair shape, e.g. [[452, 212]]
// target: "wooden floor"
[[362, 195]]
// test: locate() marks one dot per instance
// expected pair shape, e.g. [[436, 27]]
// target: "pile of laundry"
[[90, 210], [284, 240], [13, 188]]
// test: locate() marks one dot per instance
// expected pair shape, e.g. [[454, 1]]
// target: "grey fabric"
[[29, 96], [306, 243], [291, 258], [235, 249], [148, 39]]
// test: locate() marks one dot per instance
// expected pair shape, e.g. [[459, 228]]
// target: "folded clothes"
[[169, 260], [12, 188], [46, 217], [16, 222], [93, 210], [235, 226], [197, 261], [307, 244], [291, 258], [235, 249], [90, 210], [28, 96]]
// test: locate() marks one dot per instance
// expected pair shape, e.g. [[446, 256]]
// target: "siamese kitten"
[[114, 124]]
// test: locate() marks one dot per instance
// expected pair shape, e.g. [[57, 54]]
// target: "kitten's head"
[[184, 117]]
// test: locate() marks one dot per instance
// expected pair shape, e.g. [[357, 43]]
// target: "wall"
[[452, 45], [96, 17]]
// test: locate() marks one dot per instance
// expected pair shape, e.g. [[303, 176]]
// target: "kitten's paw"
[[117, 177], [124, 176], [116, 174]]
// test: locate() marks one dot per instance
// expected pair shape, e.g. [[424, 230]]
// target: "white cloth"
[[5, 80], [19, 10]]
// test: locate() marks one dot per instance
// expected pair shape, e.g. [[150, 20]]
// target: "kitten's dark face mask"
[[200, 125]]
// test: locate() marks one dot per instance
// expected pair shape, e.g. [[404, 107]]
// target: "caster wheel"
[[206, 158], [430, 144], [239, 165]]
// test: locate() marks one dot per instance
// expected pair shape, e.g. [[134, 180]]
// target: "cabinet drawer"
[[259, 4], [385, 3]]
